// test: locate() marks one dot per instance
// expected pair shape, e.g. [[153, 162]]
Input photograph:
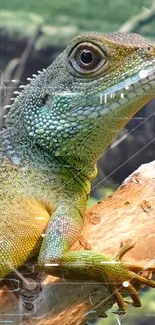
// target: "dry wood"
[[128, 213]]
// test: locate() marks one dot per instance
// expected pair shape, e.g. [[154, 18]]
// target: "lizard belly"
[[22, 223]]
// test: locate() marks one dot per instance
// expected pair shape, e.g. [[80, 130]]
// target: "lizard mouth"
[[144, 76], [140, 85]]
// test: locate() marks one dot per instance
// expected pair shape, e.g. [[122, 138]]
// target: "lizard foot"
[[120, 278], [125, 275]]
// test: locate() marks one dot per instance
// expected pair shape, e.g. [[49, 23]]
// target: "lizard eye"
[[87, 58]]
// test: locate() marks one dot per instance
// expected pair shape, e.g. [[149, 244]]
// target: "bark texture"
[[127, 213]]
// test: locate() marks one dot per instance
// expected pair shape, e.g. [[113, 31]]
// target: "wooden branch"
[[128, 213]]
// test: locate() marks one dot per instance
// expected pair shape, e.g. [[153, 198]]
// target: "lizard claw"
[[129, 273]]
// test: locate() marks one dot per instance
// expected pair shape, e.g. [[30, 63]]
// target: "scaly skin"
[[54, 134]]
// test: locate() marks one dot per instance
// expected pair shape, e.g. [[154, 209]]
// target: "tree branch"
[[128, 213]]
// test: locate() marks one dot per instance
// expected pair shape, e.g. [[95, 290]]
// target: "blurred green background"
[[32, 34]]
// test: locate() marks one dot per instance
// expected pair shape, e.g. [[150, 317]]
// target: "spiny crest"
[[21, 87]]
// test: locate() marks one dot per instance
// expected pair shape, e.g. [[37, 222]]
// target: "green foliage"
[[88, 10], [20, 23], [102, 192], [134, 315], [61, 20]]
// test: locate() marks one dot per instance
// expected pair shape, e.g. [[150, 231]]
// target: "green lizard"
[[54, 133]]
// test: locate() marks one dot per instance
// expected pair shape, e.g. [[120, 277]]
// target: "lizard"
[[54, 133]]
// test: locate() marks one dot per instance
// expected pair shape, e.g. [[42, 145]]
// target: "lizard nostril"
[[149, 49]]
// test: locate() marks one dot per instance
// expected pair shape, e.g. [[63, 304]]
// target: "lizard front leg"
[[63, 230]]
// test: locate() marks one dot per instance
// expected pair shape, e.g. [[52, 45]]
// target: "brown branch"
[[128, 213]]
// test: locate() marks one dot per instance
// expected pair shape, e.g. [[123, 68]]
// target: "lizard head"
[[78, 104]]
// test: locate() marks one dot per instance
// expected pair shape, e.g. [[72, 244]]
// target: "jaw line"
[[130, 81]]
